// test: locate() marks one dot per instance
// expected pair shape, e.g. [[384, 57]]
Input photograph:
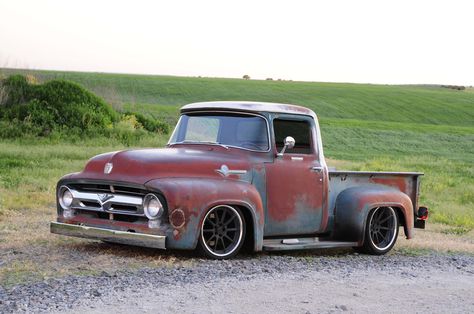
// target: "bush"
[[16, 89], [59, 106], [55, 104], [74, 106], [150, 124]]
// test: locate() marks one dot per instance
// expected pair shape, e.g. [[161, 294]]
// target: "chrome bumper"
[[139, 239]]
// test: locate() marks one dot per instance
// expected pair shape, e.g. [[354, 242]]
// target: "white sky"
[[391, 41]]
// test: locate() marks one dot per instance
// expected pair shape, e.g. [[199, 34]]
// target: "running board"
[[302, 244]]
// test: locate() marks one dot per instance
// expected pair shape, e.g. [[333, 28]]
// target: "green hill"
[[415, 104], [376, 127]]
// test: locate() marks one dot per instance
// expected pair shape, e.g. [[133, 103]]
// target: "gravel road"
[[283, 283]]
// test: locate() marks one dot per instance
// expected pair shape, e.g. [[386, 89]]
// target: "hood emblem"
[[105, 197], [108, 167], [225, 171]]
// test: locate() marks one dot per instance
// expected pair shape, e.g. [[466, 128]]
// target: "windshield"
[[243, 131]]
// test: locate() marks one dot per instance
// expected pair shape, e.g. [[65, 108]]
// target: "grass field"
[[364, 127]]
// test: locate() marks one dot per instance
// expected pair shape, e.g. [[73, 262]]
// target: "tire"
[[381, 231], [222, 232]]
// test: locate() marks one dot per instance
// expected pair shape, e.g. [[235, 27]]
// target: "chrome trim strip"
[[124, 237], [297, 158], [237, 172], [225, 171], [375, 173]]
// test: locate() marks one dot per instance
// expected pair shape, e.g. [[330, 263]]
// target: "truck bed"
[[406, 182]]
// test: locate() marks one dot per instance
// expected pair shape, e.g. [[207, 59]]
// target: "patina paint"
[[294, 195], [192, 161]]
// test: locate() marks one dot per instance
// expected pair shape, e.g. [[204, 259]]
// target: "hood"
[[141, 166]]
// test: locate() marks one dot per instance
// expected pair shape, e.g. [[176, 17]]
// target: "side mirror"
[[289, 143]]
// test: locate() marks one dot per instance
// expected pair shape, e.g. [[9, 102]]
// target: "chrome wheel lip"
[[210, 250], [394, 233]]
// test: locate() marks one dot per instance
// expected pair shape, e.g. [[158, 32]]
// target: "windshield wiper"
[[202, 142]]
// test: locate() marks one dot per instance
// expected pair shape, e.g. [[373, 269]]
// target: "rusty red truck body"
[[235, 174]]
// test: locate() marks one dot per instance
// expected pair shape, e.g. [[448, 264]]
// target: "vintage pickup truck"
[[237, 174]]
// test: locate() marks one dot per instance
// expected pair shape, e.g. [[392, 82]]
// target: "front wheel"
[[222, 232], [381, 231]]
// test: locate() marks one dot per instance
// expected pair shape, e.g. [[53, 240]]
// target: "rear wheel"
[[222, 232], [381, 231]]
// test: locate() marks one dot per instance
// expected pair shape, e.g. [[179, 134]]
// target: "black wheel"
[[381, 231], [222, 232]]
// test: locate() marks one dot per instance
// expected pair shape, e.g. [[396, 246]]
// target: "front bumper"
[[124, 237]]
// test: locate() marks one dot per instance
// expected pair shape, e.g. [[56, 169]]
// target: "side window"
[[299, 130]]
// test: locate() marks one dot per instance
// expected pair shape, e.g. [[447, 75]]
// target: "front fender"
[[353, 206], [188, 200]]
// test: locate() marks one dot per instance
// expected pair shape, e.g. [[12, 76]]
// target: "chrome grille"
[[107, 198]]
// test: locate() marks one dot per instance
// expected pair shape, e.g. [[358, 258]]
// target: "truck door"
[[294, 180]]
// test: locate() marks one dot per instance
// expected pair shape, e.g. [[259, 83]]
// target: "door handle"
[[316, 169]]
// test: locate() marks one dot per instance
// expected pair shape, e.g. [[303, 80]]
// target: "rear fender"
[[353, 206], [188, 200]]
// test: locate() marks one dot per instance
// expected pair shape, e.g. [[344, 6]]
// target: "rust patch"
[[398, 183]]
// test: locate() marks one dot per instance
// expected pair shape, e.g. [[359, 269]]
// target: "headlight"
[[152, 206], [65, 198]]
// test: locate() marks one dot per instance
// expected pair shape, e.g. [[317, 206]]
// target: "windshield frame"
[[217, 112]]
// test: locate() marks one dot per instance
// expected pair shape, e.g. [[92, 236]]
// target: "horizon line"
[[226, 78]]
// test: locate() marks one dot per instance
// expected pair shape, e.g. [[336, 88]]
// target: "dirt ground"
[[403, 289]]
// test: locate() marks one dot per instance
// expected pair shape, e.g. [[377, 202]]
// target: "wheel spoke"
[[385, 219], [223, 216], [230, 239], [373, 235], [378, 215], [230, 220], [210, 239], [381, 236], [378, 238], [217, 218], [223, 244]]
